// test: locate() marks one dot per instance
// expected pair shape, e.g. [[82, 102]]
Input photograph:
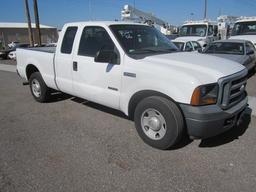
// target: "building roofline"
[[22, 25]]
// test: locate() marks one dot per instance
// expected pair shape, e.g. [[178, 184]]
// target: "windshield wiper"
[[144, 50], [153, 50], [169, 49], [150, 49]]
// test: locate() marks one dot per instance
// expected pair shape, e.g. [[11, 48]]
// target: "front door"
[[98, 82]]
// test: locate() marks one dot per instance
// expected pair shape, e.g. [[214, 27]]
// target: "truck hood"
[[200, 67], [251, 38]]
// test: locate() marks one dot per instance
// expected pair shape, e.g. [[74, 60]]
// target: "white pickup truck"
[[245, 29], [135, 69]]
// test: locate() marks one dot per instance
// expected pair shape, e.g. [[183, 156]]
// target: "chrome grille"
[[232, 89]]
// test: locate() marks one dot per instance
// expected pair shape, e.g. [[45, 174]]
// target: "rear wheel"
[[159, 122], [38, 88]]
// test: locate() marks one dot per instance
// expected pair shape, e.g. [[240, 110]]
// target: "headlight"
[[205, 95]]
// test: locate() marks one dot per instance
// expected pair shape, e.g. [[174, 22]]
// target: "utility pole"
[[205, 9], [90, 9], [38, 31], [30, 32]]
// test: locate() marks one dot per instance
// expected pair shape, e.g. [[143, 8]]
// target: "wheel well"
[[139, 96], [30, 69]]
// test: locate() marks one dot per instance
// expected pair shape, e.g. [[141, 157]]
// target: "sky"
[[58, 12]]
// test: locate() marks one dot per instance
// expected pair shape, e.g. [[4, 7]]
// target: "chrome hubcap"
[[153, 124], [36, 88]]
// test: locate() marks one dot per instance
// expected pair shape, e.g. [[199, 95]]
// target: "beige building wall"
[[8, 35]]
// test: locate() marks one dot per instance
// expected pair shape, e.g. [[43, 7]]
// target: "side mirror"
[[250, 52], [215, 31], [106, 56]]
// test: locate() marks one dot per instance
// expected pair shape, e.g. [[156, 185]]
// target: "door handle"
[[74, 66]]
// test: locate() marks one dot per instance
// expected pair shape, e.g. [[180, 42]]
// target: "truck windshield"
[[244, 28], [193, 30], [142, 39]]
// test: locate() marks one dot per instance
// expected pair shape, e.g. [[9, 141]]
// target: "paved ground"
[[72, 145], [7, 61]]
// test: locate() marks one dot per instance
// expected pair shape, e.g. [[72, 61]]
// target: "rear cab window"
[[179, 45], [68, 40], [196, 45], [188, 47]]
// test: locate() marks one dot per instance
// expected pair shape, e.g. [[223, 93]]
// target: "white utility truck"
[[130, 13], [137, 70], [203, 32], [245, 28]]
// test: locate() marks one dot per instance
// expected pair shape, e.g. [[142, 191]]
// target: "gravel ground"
[[74, 145]]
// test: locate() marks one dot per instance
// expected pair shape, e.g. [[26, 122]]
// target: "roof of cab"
[[246, 19], [200, 22], [106, 23]]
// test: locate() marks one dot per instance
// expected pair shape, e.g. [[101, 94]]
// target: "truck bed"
[[42, 58]]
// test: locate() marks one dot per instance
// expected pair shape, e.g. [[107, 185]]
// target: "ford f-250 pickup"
[[137, 70]]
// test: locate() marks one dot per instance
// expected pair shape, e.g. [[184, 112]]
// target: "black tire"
[[45, 91], [173, 119]]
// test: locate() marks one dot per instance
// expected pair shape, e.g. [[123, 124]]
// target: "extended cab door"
[[95, 81], [64, 60]]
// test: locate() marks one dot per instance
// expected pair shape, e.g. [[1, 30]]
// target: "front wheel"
[[159, 122], [38, 88]]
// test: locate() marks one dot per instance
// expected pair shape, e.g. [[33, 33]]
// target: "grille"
[[233, 89]]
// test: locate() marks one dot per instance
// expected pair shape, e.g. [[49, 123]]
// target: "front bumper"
[[208, 121]]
